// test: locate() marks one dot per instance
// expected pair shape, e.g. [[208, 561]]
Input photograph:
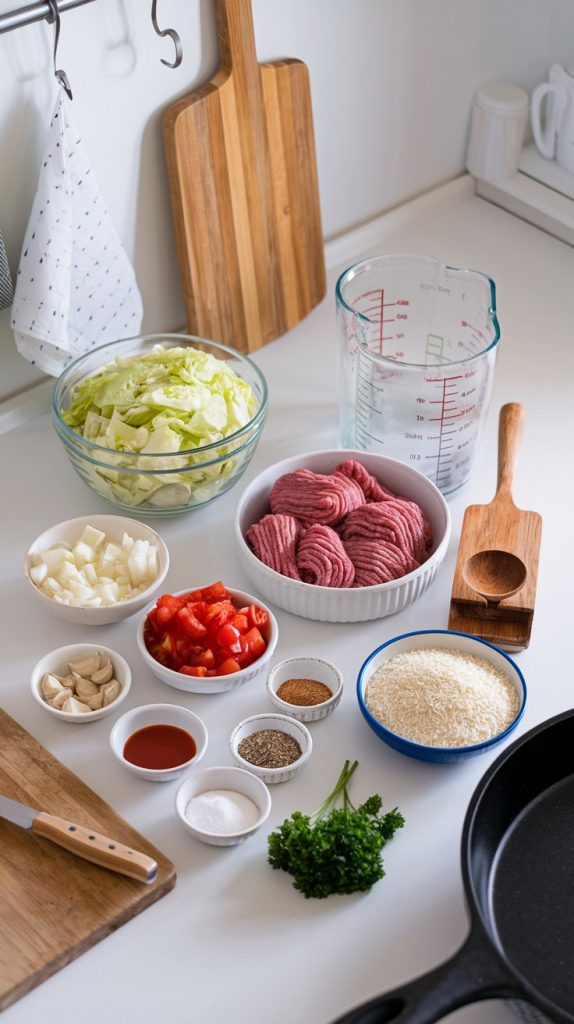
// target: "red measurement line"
[[442, 380]]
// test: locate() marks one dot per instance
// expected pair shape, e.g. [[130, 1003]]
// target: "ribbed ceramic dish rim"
[[88, 520], [312, 712], [362, 682], [221, 836], [71, 436], [84, 718], [329, 599], [210, 684], [272, 774]]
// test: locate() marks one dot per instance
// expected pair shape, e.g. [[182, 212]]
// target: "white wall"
[[392, 82]]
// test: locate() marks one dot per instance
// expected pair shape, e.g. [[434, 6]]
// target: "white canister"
[[499, 116]]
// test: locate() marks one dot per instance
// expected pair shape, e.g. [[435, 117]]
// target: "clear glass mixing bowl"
[[164, 483]]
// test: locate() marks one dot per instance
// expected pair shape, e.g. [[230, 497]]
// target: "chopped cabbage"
[[151, 407]]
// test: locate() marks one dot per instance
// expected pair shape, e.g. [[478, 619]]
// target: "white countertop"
[[233, 940]]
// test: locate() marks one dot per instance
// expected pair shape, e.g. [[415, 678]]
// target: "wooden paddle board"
[[53, 905], [499, 526], [242, 173]]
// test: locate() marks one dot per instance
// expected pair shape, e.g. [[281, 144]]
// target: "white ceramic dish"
[[453, 640], [332, 604], [114, 527], [306, 668], [57, 662], [223, 778], [256, 723], [213, 684], [158, 714]]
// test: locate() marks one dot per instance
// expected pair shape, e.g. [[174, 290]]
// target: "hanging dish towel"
[[6, 290], [75, 288]]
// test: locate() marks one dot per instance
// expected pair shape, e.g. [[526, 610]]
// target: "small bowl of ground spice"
[[305, 688], [441, 695], [274, 747]]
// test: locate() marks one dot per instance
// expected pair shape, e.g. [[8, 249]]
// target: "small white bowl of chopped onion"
[[81, 683], [96, 569], [440, 695]]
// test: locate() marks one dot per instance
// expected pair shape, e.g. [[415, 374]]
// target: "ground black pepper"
[[270, 748], [304, 692]]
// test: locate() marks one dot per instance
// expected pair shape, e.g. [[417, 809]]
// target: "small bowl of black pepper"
[[305, 688], [274, 747]]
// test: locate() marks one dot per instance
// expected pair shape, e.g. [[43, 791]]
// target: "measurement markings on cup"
[[448, 402]]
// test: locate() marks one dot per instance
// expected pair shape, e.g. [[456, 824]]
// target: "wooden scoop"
[[494, 584]]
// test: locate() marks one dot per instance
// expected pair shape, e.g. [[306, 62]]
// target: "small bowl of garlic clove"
[[81, 682]]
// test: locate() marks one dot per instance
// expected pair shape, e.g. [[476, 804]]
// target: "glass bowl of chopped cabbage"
[[162, 423]]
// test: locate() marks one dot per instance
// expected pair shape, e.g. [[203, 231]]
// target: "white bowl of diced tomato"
[[207, 640]]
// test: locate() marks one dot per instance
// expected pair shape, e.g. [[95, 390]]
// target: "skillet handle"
[[474, 973]]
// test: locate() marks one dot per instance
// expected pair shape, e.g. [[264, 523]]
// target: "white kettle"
[[556, 139]]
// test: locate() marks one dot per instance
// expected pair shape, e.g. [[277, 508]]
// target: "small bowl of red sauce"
[[207, 640], [159, 742]]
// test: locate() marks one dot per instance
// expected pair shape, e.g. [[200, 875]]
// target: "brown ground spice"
[[304, 692], [270, 748]]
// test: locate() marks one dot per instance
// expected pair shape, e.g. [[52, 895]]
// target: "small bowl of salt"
[[223, 806]]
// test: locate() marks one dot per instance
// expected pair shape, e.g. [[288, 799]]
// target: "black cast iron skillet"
[[518, 871]]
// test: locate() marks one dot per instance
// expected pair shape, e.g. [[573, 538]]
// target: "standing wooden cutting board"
[[242, 173], [53, 905]]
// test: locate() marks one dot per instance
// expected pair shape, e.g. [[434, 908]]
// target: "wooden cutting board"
[[501, 527], [242, 173], [53, 905]]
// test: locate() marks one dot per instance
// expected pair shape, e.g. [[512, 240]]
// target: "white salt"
[[221, 812]]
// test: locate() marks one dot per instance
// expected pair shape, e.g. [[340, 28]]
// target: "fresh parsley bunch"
[[334, 850]]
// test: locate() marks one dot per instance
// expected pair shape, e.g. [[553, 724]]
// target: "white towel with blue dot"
[[75, 287]]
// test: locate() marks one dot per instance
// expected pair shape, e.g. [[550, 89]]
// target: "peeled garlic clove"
[[104, 674], [96, 701], [50, 685], [75, 707], [61, 697], [87, 666], [110, 691], [84, 687]]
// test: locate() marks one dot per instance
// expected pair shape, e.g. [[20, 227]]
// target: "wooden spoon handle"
[[510, 427]]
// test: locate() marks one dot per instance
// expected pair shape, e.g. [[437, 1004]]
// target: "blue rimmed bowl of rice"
[[440, 695]]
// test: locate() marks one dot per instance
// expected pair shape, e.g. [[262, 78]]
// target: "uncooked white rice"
[[441, 697]]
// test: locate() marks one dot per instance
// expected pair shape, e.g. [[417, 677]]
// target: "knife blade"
[[84, 842]]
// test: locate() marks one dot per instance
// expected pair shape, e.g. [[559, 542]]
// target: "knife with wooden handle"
[[84, 842]]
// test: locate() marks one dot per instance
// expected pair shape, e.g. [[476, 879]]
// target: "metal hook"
[[61, 75], [172, 35]]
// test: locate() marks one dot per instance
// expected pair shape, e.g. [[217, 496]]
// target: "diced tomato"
[[215, 592], [255, 642], [228, 666], [240, 621], [229, 637], [206, 658], [201, 633], [258, 616], [191, 626]]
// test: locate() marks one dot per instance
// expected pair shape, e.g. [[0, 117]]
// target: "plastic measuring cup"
[[418, 345]]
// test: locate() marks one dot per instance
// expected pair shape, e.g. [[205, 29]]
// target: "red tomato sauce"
[[159, 746]]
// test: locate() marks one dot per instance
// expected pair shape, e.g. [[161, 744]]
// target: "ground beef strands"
[[274, 540], [322, 559], [400, 523], [340, 529], [315, 497]]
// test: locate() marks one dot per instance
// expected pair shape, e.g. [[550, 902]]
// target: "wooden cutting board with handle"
[[242, 173], [54, 905], [494, 586]]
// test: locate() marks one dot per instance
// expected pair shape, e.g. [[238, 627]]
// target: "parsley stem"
[[340, 786]]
